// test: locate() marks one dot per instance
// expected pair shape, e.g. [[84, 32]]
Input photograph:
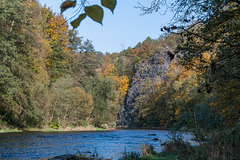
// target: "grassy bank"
[[48, 129], [9, 130], [147, 153]]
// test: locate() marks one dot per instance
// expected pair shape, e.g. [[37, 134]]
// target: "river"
[[108, 144]]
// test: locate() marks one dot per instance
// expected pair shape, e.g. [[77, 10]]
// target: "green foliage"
[[77, 21], [103, 92], [110, 4], [83, 123], [120, 66], [57, 67], [41, 69], [221, 144], [87, 47], [10, 130], [16, 104], [148, 153], [130, 155], [176, 145], [75, 41], [100, 129], [70, 104], [67, 4], [54, 125], [210, 47], [84, 66], [95, 12]]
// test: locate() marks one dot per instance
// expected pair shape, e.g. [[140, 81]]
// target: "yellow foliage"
[[57, 28], [122, 86], [177, 113], [110, 71], [227, 101]]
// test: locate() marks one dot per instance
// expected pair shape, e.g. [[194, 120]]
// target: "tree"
[[57, 33], [120, 64], [17, 105], [87, 47], [104, 96], [74, 41], [84, 66], [71, 104], [212, 27], [210, 47]]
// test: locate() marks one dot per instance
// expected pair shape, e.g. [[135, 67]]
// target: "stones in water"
[[152, 134], [64, 157]]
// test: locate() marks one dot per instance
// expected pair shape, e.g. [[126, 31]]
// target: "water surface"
[[109, 144]]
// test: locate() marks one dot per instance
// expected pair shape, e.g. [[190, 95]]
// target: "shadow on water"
[[109, 144]]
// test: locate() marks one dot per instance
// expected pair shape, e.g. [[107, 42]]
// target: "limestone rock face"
[[145, 78]]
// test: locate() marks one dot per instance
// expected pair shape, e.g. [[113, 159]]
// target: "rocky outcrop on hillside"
[[145, 78]]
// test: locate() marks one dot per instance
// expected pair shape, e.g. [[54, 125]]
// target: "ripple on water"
[[109, 144]]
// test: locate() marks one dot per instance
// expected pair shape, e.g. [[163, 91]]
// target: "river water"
[[108, 144]]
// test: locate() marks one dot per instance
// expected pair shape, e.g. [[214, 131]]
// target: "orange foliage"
[[122, 86], [38, 53], [110, 71], [121, 82], [57, 28], [107, 61]]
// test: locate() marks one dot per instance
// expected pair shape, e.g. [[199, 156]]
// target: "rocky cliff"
[[145, 78]]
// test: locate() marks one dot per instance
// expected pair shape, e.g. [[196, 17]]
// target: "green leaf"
[[110, 4], [67, 4], [95, 12], [77, 21]]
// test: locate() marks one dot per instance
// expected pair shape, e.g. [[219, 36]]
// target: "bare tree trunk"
[[10, 29]]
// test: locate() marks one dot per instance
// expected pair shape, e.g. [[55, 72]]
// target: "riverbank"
[[175, 149], [9, 130], [47, 129], [147, 153]]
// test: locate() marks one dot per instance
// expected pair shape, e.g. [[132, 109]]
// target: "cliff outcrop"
[[146, 76]]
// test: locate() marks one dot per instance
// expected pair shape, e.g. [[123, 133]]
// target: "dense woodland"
[[48, 74], [50, 77]]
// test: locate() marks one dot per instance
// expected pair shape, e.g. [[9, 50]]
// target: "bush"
[[221, 144], [147, 149], [183, 149], [83, 123], [71, 104], [54, 125], [130, 156], [148, 153], [104, 96]]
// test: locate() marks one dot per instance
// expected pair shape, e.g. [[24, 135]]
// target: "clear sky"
[[123, 29]]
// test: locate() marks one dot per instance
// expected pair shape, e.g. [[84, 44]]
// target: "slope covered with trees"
[[205, 96], [47, 73]]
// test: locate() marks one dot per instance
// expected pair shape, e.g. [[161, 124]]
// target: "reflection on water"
[[109, 144]]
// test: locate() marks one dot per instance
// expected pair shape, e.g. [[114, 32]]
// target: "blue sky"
[[123, 29]]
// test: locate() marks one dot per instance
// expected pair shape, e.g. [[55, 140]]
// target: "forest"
[[51, 78]]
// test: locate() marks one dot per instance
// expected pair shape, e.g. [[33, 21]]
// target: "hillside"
[[147, 76]]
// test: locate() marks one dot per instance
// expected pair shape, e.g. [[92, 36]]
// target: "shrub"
[[147, 149], [183, 149], [130, 156], [220, 144], [54, 125], [71, 104]]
